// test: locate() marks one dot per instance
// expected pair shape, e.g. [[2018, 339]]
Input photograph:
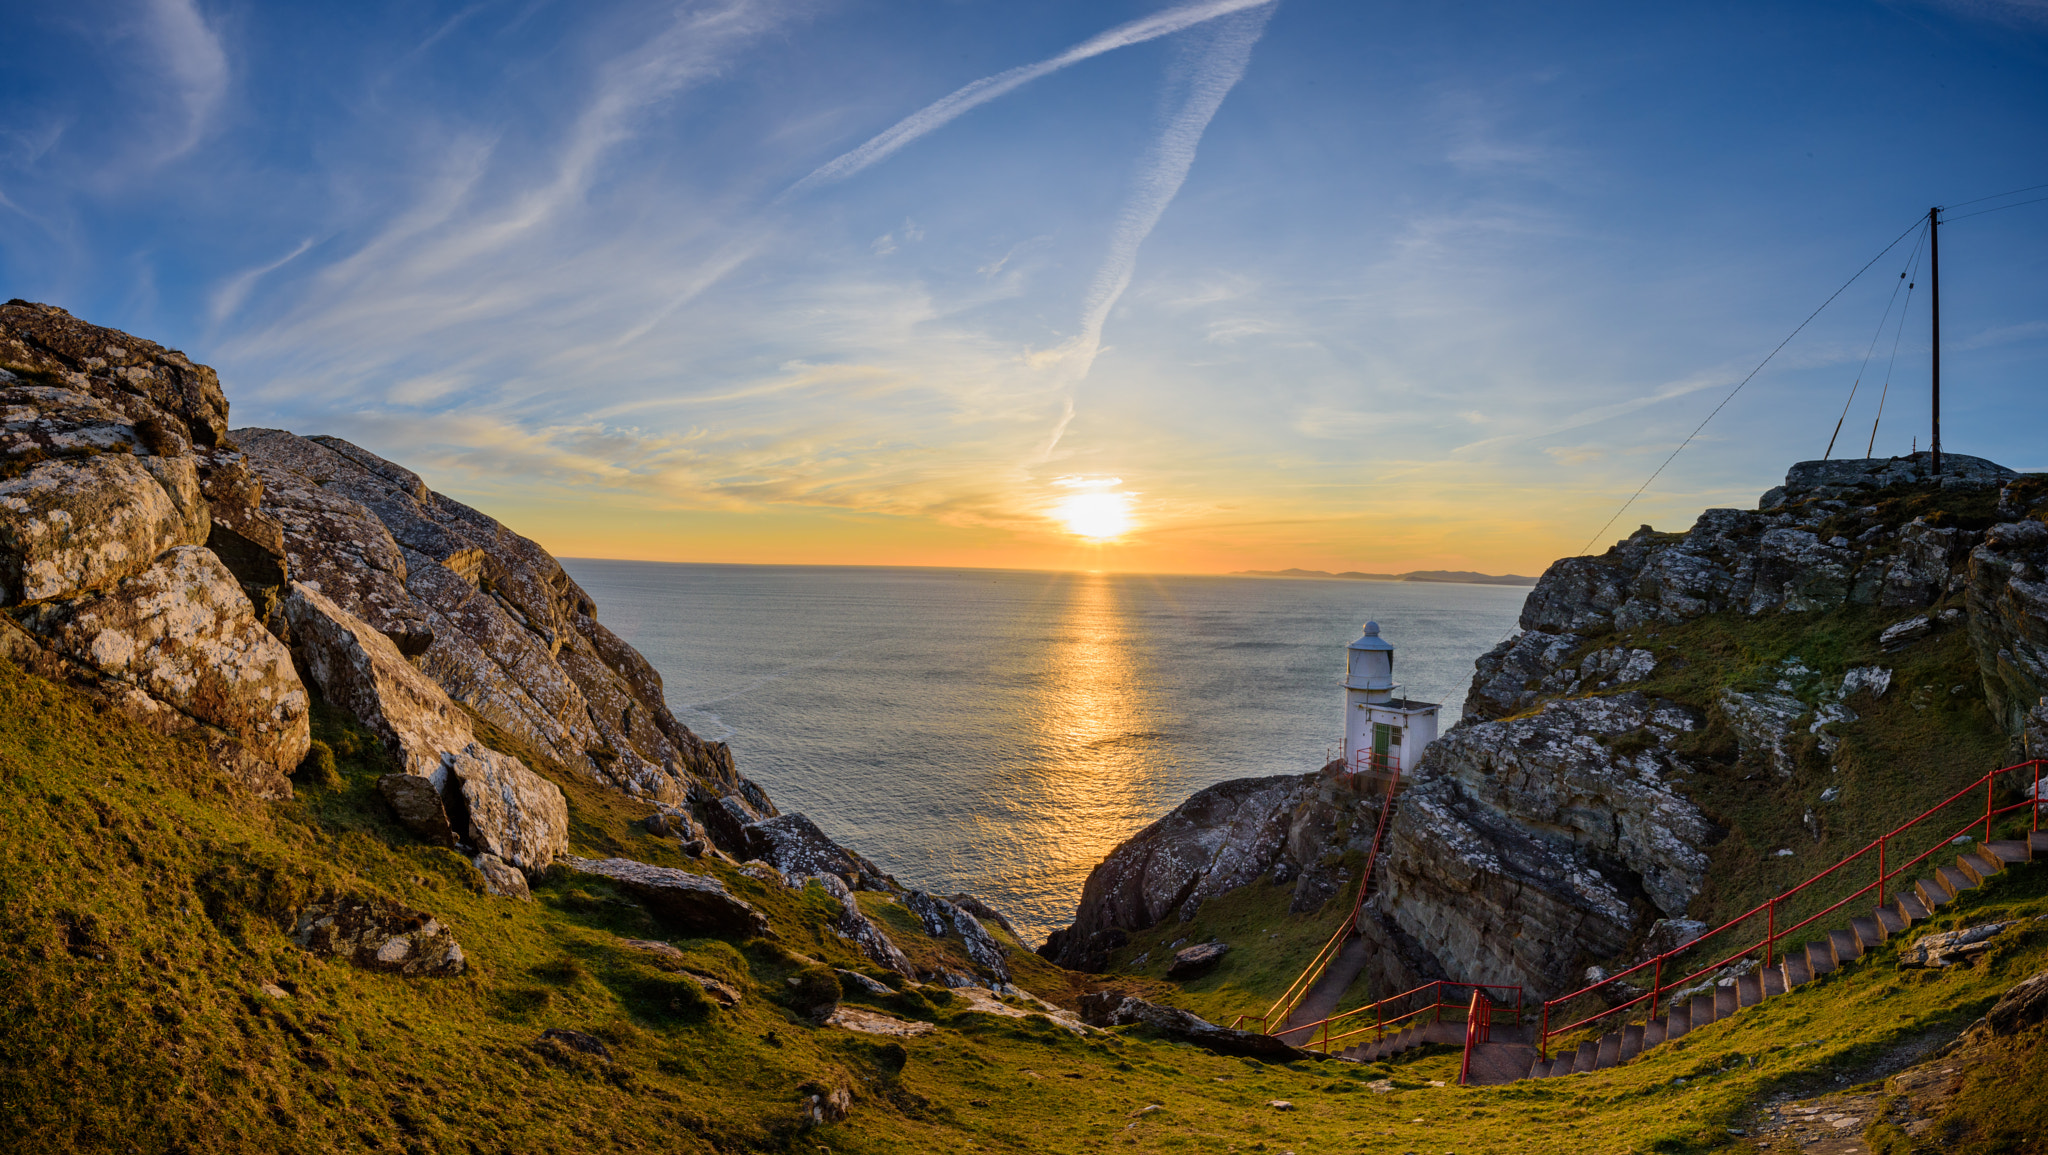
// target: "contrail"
[[1217, 69], [942, 112]]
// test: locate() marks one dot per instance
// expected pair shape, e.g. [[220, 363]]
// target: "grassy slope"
[[138, 905]]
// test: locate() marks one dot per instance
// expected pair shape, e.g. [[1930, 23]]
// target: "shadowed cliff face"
[[1562, 819]]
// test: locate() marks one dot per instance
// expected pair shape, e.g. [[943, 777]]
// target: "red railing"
[[1769, 909], [1381, 1022], [1275, 1017], [1364, 761], [1478, 1031]]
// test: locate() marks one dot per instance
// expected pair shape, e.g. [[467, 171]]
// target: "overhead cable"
[[1917, 223]]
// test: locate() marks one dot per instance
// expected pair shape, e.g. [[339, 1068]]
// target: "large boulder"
[[488, 799], [73, 525], [692, 902], [854, 924], [379, 935], [1116, 1009], [183, 633], [139, 379]]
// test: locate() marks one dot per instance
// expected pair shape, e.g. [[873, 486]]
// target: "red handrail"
[[1381, 1023], [1275, 1017], [1478, 1030], [1770, 906]]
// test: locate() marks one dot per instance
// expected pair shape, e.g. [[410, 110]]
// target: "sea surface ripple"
[[999, 732]]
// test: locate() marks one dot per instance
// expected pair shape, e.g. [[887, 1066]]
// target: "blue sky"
[[1337, 285]]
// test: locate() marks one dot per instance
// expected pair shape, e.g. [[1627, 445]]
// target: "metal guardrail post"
[[1543, 1035], [1880, 869], [1656, 990], [1771, 934], [1990, 780]]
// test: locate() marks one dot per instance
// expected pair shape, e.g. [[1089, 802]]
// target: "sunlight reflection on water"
[[999, 732]]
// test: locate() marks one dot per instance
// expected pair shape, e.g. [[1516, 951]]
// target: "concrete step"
[[1820, 958], [1913, 907], [1891, 920], [1631, 1043], [1749, 990], [1655, 1031], [2038, 839], [1609, 1052], [1774, 982], [1795, 970], [1587, 1059], [1953, 878], [1932, 893], [2011, 852], [1979, 865], [1869, 932], [1562, 1065], [1847, 947], [1725, 1002], [1703, 1011], [1679, 1021]]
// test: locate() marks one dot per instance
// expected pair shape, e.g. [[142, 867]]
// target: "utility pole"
[[1934, 284]]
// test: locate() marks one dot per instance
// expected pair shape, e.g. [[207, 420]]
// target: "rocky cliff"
[[219, 583], [1655, 698]]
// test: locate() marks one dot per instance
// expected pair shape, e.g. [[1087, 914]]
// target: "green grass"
[[140, 913]]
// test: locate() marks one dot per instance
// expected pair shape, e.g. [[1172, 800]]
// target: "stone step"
[[1609, 1052], [1587, 1058], [1749, 989], [1933, 893], [1979, 865], [2038, 839], [1631, 1043], [1679, 1021], [1892, 921], [1562, 1065], [1702, 1011], [1870, 932], [1795, 970], [1655, 1031], [1725, 1003], [1820, 958], [1913, 907], [1953, 878], [1847, 947], [2011, 852]]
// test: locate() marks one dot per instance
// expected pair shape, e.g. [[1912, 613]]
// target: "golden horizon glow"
[[1096, 516]]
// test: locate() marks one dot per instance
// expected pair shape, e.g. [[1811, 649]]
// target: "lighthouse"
[[1383, 732]]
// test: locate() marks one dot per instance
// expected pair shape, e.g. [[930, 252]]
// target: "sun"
[[1099, 516]]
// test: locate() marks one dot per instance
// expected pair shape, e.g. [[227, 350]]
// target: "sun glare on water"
[[1098, 516]]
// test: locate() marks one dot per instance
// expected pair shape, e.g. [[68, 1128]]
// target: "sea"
[[998, 732]]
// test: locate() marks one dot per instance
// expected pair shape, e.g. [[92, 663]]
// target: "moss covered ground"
[[142, 915]]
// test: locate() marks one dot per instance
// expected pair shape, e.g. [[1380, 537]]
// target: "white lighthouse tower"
[[1383, 733]]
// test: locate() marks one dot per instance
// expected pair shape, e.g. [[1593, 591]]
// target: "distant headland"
[[1421, 575]]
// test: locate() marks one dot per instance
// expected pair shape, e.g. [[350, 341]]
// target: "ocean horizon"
[[998, 732]]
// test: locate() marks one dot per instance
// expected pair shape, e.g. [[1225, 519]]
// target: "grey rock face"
[[1524, 842], [506, 809], [794, 845], [492, 617], [501, 879], [2007, 597], [379, 935], [853, 924], [691, 901], [76, 525], [1226, 836], [181, 634]]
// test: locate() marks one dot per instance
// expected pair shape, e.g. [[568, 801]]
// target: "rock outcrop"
[[1117, 1009], [691, 901], [450, 787], [489, 616], [1223, 837], [380, 935]]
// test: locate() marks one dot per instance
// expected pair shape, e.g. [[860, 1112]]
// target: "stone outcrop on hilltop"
[[1550, 827]]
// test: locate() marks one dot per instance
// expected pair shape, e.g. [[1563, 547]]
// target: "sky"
[[1127, 285]]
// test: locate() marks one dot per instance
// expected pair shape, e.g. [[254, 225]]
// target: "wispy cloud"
[[942, 112], [235, 289], [194, 63], [1215, 68]]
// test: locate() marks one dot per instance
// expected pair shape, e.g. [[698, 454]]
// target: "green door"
[[1385, 740]]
